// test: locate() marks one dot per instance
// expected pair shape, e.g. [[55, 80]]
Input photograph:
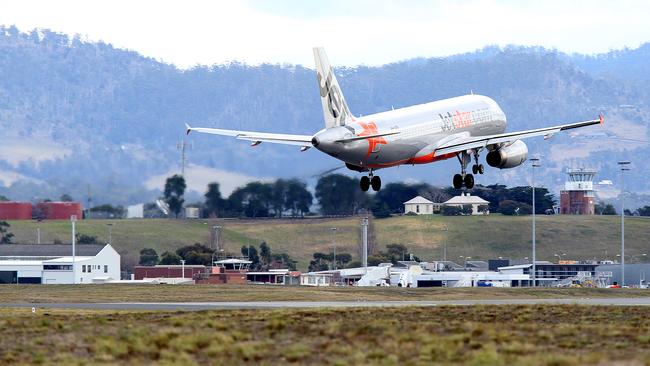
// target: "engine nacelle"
[[508, 156]]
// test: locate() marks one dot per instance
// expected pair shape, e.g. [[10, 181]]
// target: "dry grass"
[[580, 237], [212, 293], [477, 335]]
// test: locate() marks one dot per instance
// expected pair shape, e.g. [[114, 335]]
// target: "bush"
[[510, 208], [451, 211]]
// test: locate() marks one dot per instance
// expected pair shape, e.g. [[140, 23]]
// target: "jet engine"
[[508, 156]]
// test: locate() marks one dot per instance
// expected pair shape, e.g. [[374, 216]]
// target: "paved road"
[[194, 306]]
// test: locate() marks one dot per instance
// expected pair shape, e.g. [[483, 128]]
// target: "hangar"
[[53, 263]]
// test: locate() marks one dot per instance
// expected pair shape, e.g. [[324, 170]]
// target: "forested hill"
[[79, 116]]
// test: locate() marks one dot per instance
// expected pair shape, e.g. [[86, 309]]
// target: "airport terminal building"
[[53, 264]]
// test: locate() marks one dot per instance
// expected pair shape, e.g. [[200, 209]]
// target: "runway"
[[196, 306]]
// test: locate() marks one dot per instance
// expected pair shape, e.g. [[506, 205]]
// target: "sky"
[[362, 32]]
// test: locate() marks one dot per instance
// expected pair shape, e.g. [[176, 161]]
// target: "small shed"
[[421, 206]]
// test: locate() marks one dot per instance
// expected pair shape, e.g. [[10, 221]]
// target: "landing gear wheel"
[[475, 169], [469, 181], [375, 182], [481, 169], [364, 184], [458, 181]]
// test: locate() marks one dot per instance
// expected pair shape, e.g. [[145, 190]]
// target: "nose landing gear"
[[371, 181]]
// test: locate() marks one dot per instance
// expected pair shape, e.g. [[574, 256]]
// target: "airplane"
[[461, 127]]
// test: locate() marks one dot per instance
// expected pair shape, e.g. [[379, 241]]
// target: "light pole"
[[333, 229], [445, 229], [535, 164], [73, 220], [110, 234], [217, 229], [624, 166], [183, 268]]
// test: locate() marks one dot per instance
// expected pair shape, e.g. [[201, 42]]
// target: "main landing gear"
[[370, 181], [465, 179]]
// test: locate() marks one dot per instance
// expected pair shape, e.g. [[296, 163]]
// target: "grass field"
[[215, 293], [579, 237], [476, 335]]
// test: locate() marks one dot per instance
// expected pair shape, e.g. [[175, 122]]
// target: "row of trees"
[[199, 254], [393, 254], [339, 195], [255, 199], [508, 201]]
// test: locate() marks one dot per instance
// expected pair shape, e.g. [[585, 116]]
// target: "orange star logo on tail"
[[370, 128]]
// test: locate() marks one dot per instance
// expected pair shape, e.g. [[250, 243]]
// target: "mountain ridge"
[[83, 116]]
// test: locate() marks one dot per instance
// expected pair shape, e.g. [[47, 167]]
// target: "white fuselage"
[[422, 128]]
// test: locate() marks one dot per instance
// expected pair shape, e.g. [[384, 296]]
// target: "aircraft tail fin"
[[335, 109]]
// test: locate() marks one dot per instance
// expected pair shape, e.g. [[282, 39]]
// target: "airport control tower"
[[578, 197]]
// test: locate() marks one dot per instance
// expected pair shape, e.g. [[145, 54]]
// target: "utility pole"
[[73, 220], [217, 229], [364, 241], [110, 234], [182, 146], [333, 229], [535, 164], [624, 167], [445, 230]]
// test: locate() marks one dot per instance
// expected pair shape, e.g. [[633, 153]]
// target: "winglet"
[[188, 129], [601, 118]]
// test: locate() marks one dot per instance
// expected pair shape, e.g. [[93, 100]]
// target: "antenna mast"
[[182, 146]]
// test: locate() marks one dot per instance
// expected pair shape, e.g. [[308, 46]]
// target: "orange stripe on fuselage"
[[426, 159]]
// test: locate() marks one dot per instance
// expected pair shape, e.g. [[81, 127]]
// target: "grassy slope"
[[477, 335], [211, 293], [580, 237]]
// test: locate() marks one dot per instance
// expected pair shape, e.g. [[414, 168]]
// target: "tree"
[[168, 258], [214, 203], [338, 194], [66, 198], [605, 209], [148, 257], [4, 199], [320, 262], [86, 239], [451, 210], [252, 200], [509, 207], [196, 254], [112, 211], [298, 199], [265, 254], [5, 235], [643, 211], [173, 194], [251, 253], [380, 210]]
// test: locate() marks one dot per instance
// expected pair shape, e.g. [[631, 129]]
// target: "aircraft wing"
[[256, 137], [476, 142]]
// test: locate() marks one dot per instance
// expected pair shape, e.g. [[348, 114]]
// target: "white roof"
[[67, 259], [418, 200], [18, 262], [466, 200], [233, 260]]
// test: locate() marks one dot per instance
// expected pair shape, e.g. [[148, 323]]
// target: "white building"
[[54, 264], [421, 206], [466, 200]]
